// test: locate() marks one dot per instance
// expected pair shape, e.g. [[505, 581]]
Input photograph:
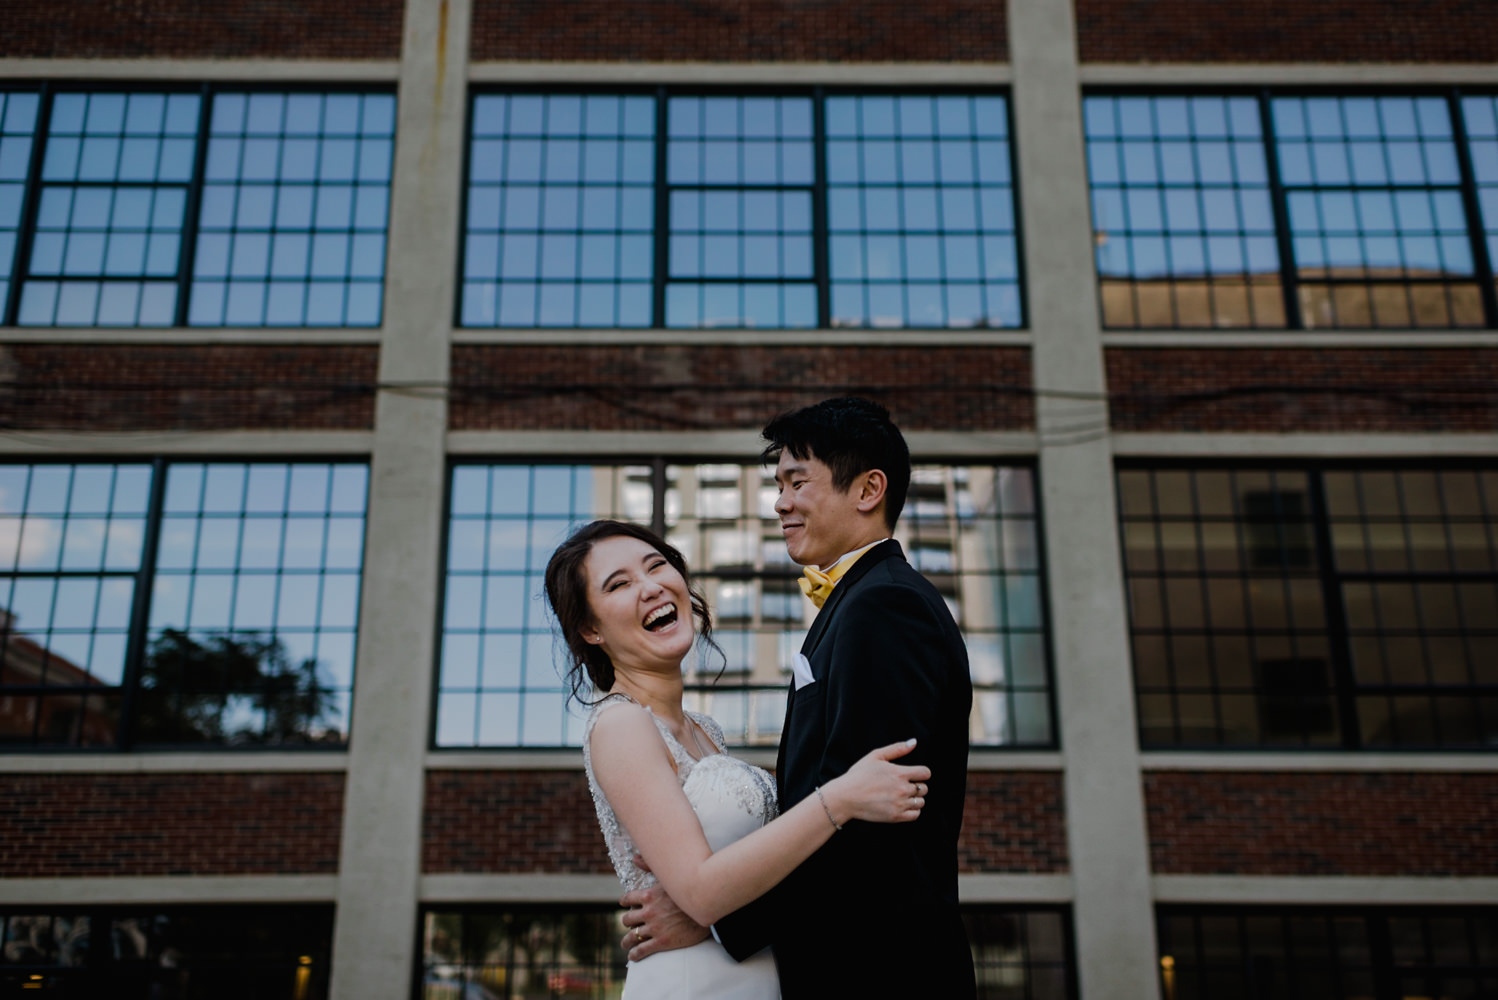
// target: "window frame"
[[185, 278], [145, 578], [658, 464], [1383, 969], [821, 280], [1328, 581], [1289, 277]]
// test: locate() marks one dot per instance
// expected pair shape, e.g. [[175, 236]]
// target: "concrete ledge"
[[469, 888], [1130, 444], [1416, 339], [1289, 761], [1201, 75], [293, 71], [219, 444], [1300, 890], [902, 74], [1018, 889], [315, 761], [925, 446], [853, 338], [169, 890]]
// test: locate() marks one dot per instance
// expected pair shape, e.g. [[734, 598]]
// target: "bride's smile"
[[638, 601]]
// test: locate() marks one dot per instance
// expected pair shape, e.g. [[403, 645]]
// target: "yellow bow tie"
[[818, 585]]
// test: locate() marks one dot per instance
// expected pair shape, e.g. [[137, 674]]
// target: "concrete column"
[[1104, 800], [375, 935]]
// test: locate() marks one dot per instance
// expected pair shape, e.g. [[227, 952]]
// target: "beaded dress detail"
[[730, 797]]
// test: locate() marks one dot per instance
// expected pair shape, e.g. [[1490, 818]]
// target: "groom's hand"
[[655, 923]]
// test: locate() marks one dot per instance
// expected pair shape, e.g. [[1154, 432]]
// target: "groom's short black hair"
[[850, 436]]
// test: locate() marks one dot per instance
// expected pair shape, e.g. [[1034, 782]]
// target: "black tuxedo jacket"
[[874, 912]]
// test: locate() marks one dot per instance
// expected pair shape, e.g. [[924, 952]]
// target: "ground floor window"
[[525, 952], [1248, 953], [167, 953]]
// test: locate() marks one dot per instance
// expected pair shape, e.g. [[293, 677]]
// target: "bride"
[[664, 788]]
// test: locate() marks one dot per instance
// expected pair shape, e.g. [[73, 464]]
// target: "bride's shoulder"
[[710, 726]]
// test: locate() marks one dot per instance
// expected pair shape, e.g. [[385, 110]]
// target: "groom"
[[874, 912]]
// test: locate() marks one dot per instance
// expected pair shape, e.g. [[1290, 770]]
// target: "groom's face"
[[820, 522]]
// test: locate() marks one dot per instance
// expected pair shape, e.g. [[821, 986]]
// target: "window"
[[1298, 607], [248, 952], [1212, 952], [153, 604], [1480, 118], [18, 110], [547, 951], [1272, 211], [972, 530], [772, 211], [201, 208], [1182, 221]]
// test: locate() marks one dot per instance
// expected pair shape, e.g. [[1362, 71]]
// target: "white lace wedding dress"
[[731, 799]]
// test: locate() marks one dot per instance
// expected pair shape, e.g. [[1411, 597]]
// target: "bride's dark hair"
[[567, 593]]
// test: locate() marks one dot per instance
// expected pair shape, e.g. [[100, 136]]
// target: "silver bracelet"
[[826, 810]]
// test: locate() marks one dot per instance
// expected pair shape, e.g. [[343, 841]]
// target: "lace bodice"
[[730, 797]]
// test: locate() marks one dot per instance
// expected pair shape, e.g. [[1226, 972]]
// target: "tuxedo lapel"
[[884, 550]]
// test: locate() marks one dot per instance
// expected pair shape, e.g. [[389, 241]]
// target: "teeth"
[[659, 613]]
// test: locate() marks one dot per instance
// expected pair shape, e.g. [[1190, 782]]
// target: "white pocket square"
[[801, 671]]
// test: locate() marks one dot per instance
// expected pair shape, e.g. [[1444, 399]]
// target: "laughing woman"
[[664, 788]]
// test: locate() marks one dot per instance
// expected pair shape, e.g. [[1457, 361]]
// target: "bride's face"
[[642, 613]]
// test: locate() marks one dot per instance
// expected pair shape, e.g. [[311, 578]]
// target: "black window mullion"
[[187, 252], [1476, 231], [820, 225], [26, 234], [140, 608], [1339, 643], [1289, 278], [662, 208]]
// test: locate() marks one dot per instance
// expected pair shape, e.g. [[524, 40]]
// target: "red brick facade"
[[1251, 31], [543, 821], [1406, 824], [62, 825], [510, 821], [740, 31], [184, 29], [1014, 821], [1276, 390], [632, 388], [99, 387]]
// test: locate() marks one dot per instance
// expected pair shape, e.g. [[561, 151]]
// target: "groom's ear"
[[873, 485]]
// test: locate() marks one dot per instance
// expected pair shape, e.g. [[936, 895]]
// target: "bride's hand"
[[878, 790]]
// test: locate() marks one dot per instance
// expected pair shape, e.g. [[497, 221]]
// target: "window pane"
[[560, 188], [1232, 609], [1178, 212], [970, 529], [111, 214], [1380, 236], [922, 232], [296, 187], [255, 606], [70, 549]]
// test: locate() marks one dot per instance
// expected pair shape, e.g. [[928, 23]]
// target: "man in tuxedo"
[[874, 912]]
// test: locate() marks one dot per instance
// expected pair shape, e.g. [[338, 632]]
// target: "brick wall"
[[543, 821], [1247, 31], [59, 825], [1302, 389], [191, 388], [740, 30], [510, 821], [191, 29], [1014, 821], [1323, 823], [714, 387]]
